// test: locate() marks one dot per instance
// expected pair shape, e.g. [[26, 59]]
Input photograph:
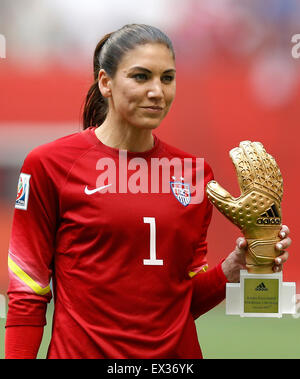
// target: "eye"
[[140, 77], [167, 78]]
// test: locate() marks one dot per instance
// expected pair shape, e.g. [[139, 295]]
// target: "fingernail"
[[282, 234], [278, 261], [240, 245], [279, 246]]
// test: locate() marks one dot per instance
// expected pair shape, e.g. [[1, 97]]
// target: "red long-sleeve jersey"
[[119, 234]]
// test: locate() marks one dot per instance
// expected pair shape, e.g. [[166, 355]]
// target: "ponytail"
[[95, 107]]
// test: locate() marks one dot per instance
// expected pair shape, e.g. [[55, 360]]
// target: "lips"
[[153, 107]]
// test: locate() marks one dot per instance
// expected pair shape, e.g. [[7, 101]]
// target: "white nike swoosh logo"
[[91, 192]]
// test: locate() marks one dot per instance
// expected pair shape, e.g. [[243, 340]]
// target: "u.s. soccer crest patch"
[[23, 191], [181, 191]]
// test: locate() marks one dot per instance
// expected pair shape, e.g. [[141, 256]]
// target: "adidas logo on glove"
[[270, 217]]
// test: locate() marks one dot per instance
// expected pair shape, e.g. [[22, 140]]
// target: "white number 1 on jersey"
[[152, 261]]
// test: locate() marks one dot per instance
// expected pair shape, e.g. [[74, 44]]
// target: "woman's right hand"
[[236, 260]]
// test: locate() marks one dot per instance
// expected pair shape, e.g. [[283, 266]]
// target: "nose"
[[155, 90]]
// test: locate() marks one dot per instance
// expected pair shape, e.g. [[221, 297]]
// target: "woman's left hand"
[[236, 260]]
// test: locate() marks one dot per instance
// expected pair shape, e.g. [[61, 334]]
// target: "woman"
[[124, 254]]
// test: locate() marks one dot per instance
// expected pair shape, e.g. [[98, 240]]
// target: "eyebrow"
[[148, 71]]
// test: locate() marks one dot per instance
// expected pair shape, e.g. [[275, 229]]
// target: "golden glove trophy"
[[257, 212]]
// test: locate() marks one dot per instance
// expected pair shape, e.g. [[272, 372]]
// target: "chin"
[[147, 124]]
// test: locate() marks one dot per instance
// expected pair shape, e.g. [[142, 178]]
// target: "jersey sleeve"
[[208, 286], [23, 342], [31, 247], [209, 289], [199, 263]]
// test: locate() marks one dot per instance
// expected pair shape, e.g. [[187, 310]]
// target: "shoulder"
[[60, 152]]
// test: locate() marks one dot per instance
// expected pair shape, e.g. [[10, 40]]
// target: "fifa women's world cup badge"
[[23, 192], [257, 212], [181, 191]]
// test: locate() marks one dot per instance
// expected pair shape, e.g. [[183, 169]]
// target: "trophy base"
[[260, 295], [2, 306]]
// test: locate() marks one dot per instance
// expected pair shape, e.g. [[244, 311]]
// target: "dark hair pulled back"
[[107, 55]]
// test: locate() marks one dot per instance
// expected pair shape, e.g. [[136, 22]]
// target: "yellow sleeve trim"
[[27, 279], [203, 269]]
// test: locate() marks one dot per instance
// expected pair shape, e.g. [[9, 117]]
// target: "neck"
[[125, 137]]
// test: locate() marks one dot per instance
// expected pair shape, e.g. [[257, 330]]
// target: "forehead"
[[155, 56]]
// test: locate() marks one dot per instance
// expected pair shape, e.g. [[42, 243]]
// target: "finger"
[[220, 198], [283, 244], [241, 243], [277, 268], [241, 247], [256, 154], [216, 191], [284, 231], [282, 258], [243, 168]]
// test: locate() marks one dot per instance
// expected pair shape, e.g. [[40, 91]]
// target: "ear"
[[104, 83]]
